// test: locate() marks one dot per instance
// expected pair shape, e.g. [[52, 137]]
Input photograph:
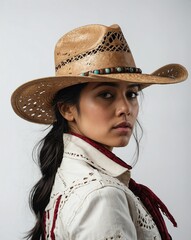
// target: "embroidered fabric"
[[69, 190], [70, 193], [79, 156], [116, 236], [153, 204], [143, 218], [144, 223]]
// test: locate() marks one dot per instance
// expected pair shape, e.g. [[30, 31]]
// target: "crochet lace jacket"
[[90, 199]]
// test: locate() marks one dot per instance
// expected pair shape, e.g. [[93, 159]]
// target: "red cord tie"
[[154, 205]]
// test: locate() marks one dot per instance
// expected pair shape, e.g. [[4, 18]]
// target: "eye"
[[132, 94], [106, 95]]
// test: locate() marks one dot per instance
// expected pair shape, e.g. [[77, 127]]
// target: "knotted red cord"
[[152, 203], [154, 206]]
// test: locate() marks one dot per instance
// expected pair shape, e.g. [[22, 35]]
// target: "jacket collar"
[[77, 148]]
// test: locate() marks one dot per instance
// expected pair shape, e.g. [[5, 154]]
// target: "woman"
[[86, 191]]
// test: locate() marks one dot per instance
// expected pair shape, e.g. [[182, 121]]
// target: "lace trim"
[[81, 156], [76, 155], [144, 220], [75, 185], [118, 235]]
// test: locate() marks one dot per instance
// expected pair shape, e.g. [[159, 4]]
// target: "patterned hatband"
[[113, 70]]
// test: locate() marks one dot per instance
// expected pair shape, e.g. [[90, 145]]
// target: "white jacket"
[[90, 199]]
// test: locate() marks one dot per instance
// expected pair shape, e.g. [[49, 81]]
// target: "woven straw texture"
[[86, 49]]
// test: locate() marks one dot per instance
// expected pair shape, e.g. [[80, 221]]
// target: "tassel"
[[154, 205]]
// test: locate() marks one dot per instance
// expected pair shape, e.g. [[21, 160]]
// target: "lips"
[[123, 125]]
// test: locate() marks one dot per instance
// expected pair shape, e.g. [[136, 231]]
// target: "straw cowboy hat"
[[92, 53]]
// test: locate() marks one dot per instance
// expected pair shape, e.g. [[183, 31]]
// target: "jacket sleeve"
[[104, 214]]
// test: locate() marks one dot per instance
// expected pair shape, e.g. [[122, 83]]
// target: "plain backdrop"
[[158, 32]]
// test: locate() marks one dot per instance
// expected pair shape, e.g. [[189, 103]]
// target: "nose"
[[123, 107]]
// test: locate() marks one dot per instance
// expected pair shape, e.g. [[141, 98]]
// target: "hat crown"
[[92, 47]]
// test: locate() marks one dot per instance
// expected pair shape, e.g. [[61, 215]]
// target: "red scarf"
[[153, 204]]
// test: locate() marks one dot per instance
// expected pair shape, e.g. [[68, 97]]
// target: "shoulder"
[[94, 191], [99, 208], [76, 181]]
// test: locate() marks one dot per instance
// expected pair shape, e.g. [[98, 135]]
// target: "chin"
[[123, 142], [120, 144]]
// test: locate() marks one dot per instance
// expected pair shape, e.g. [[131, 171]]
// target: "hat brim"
[[32, 101]]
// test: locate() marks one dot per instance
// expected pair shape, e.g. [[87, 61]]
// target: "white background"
[[158, 32]]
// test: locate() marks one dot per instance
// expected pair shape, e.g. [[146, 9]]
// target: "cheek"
[[96, 118], [94, 113]]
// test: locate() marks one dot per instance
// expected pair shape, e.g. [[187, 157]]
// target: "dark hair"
[[137, 134], [51, 149]]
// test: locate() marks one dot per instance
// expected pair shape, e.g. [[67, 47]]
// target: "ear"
[[67, 111]]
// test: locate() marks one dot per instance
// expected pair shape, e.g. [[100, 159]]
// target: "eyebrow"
[[113, 84]]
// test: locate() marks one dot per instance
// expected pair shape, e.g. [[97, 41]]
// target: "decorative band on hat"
[[113, 70]]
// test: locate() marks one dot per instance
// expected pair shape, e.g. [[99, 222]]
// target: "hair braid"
[[51, 150]]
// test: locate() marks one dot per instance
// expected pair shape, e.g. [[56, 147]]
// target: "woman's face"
[[107, 113]]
